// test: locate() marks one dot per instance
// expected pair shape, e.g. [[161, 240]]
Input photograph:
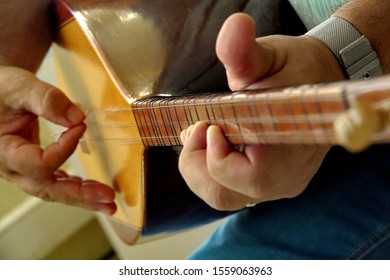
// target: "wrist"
[[325, 59], [353, 50], [371, 18]]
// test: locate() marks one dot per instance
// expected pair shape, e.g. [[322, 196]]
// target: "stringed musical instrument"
[[129, 64]]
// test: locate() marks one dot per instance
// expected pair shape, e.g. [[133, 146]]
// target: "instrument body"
[[137, 67]]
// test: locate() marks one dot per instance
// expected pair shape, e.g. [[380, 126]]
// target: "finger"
[[197, 134], [86, 194], [23, 91], [61, 173], [235, 170], [193, 167], [193, 154], [58, 152], [31, 160], [245, 61]]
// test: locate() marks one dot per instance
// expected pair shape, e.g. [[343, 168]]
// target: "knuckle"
[[49, 99], [7, 174], [41, 170], [45, 196], [43, 193]]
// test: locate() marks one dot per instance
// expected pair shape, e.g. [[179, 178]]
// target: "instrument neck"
[[294, 115]]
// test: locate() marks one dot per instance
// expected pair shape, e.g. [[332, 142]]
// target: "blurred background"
[[33, 229]]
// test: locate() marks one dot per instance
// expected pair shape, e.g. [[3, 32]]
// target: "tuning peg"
[[354, 129]]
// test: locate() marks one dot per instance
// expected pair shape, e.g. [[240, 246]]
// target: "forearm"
[[25, 32], [371, 18]]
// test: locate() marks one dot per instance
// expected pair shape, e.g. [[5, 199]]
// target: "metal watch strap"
[[353, 50]]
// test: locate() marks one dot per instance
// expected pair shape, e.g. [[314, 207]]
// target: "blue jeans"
[[343, 214]]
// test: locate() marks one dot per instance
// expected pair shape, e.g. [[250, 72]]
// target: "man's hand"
[[227, 179], [23, 161]]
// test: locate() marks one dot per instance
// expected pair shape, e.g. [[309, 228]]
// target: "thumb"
[[23, 91], [246, 61]]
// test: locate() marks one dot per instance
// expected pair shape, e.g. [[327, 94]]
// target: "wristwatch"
[[353, 50]]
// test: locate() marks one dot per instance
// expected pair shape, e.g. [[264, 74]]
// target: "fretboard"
[[294, 115], [351, 114], [304, 114]]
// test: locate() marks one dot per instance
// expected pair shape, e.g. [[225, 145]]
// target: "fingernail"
[[105, 200], [185, 134], [75, 115], [258, 86], [213, 133], [108, 210]]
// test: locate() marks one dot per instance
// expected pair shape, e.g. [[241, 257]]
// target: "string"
[[173, 103], [266, 120], [256, 136], [190, 105], [249, 137]]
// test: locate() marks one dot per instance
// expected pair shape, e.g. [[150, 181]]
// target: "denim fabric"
[[343, 214]]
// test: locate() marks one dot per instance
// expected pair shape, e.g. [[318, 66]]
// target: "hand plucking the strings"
[[22, 159]]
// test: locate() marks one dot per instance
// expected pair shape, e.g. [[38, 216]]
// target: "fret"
[[141, 120], [178, 112], [157, 124], [201, 111], [223, 118], [325, 127], [281, 109], [214, 99], [166, 122], [173, 137], [234, 109], [154, 123], [149, 128], [305, 112], [272, 126], [327, 108], [181, 111], [193, 112], [211, 108], [187, 109], [175, 124], [258, 126], [295, 121], [301, 110], [195, 108], [243, 118], [162, 124], [247, 128], [207, 107]]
